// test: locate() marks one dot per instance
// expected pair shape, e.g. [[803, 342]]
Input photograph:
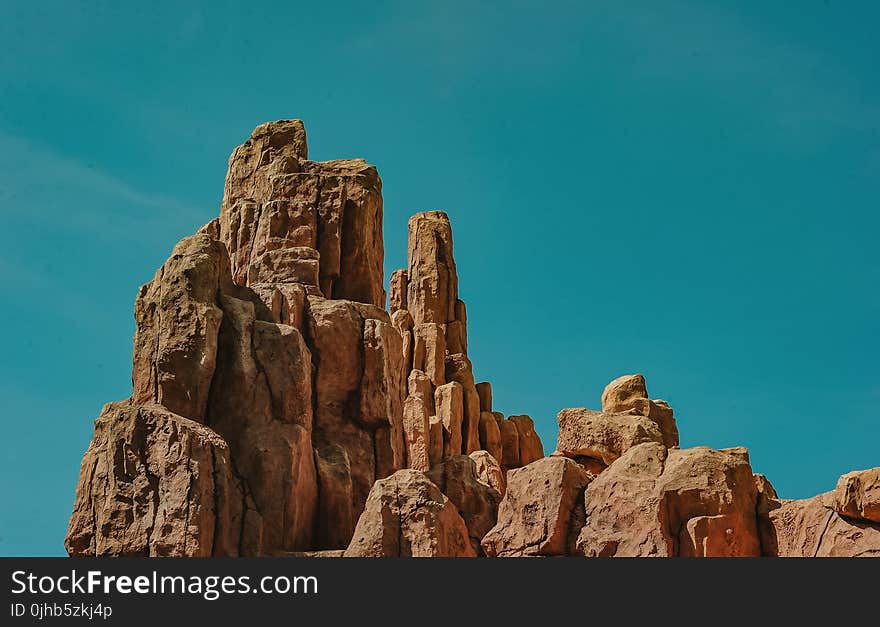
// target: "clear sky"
[[683, 189]]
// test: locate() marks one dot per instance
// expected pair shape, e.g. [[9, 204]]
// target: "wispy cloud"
[[36, 180], [65, 221]]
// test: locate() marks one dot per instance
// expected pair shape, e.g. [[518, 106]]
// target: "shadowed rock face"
[[476, 500], [278, 409]]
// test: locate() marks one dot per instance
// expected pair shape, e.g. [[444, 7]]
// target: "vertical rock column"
[[264, 348], [288, 220], [442, 402], [426, 310], [306, 237]]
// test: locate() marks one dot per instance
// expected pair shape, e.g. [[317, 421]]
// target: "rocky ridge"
[[278, 408]]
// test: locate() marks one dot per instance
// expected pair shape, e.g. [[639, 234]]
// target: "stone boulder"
[[489, 471], [541, 512], [857, 495], [153, 483], [657, 503], [406, 515], [629, 393], [602, 436], [477, 501]]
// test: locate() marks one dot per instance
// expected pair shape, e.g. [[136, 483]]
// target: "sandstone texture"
[[858, 495], [489, 471], [601, 436], [408, 516], [432, 320], [157, 484], [680, 502], [279, 409], [540, 510], [813, 528], [630, 394], [476, 500]]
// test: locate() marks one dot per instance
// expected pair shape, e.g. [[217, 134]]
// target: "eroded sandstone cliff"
[[278, 408]]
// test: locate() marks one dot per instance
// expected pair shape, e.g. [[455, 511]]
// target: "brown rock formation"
[[433, 322], [489, 471], [268, 376], [628, 418], [153, 483], [278, 409], [858, 495], [812, 528], [275, 200], [530, 447], [601, 436], [476, 500], [654, 502], [280, 351], [540, 513], [630, 393], [408, 516]]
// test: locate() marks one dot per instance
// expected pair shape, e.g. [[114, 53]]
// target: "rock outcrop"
[[630, 394], [271, 388], [408, 516], [154, 483], [658, 502], [540, 511], [600, 436], [858, 495], [425, 304], [278, 408], [476, 500], [814, 528]]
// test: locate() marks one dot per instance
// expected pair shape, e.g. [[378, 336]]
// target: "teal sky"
[[683, 189]]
